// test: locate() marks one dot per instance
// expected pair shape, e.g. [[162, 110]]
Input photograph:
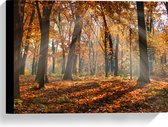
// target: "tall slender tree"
[[77, 31], [130, 39], [53, 56], [75, 38], [144, 67], [116, 56]]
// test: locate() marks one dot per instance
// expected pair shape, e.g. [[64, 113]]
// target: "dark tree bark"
[[144, 67], [111, 53], [108, 56], [44, 20], [53, 57], [116, 57], [105, 54], [76, 33], [34, 62], [105, 45], [75, 65], [18, 28], [166, 5]]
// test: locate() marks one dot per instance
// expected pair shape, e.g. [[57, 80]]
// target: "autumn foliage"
[[90, 56]]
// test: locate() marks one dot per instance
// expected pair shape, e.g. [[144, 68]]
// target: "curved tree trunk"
[[76, 33], [144, 67]]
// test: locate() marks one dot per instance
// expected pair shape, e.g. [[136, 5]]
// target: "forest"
[[90, 56]]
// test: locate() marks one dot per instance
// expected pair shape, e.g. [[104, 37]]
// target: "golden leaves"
[[92, 95]]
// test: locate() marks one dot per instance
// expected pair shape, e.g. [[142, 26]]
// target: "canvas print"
[[90, 56]]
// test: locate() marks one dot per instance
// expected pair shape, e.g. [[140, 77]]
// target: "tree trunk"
[[108, 38], [33, 65], [44, 19], [53, 57], [111, 53], [63, 61], [166, 5], [34, 62], [23, 59], [75, 65], [130, 54], [90, 58], [105, 54], [144, 67], [76, 33], [116, 56], [18, 28], [80, 64], [105, 46]]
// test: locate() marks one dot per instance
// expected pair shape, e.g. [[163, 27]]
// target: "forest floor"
[[92, 95]]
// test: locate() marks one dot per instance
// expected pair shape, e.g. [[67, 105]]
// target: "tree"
[[108, 38], [77, 31], [144, 67], [53, 57], [23, 59], [44, 20], [34, 62], [130, 30], [18, 28], [116, 56], [75, 38]]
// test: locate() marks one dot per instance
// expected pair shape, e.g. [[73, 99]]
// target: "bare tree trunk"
[[44, 28], [77, 31], [166, 5], [23, 60], [116, 56], [111, 53], [144, 67], [80, 64], [34, 62], [130, 54], [75, 65], [105, 46], [53, 57], [105, 54]]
